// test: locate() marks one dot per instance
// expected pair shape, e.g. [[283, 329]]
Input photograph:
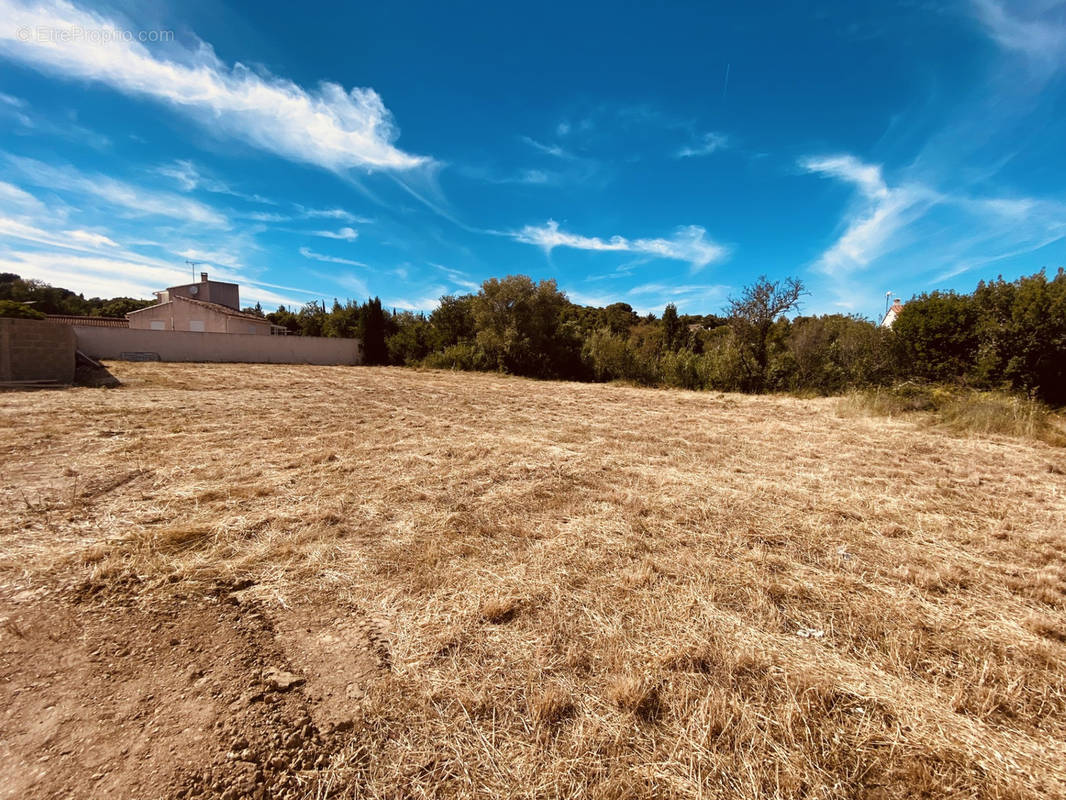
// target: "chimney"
[[203, 279]]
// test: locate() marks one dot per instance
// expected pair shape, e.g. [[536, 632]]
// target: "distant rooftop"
[[94, 322]]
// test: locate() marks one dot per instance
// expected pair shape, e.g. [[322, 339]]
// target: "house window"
[[158, 325], [196, 325]]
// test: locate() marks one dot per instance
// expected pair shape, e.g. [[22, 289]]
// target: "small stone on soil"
[[279, 680]]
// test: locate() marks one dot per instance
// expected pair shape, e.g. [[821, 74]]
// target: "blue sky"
[[648, 155]]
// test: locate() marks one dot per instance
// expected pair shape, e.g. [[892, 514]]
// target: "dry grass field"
[[231, 581]]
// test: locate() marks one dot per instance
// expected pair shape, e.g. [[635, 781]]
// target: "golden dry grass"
[[588, 590]]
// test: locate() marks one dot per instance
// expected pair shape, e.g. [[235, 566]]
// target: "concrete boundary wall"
[[36, 350], [120, 344]]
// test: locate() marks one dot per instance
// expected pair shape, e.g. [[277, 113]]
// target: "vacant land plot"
[[295, 581]]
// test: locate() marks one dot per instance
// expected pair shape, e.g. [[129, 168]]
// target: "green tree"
[[619, 318], [312, 319], [342, 322], [412, 340], [372, 332], [936, 337], [752, 315], [285, 319], [120, 306], [674, 331], [1021, 330], [517, 321], [453, 321]]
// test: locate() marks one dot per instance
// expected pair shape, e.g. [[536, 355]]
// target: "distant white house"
[[892, 313]]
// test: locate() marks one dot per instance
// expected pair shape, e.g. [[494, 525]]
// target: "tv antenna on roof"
[[888, 294], [194, 264]]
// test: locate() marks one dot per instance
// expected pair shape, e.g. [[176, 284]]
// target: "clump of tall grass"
[[963, 410]]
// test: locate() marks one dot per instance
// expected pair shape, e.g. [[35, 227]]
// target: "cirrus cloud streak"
[[689, 243]]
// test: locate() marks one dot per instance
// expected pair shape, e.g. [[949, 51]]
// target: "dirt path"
[[121, 692]]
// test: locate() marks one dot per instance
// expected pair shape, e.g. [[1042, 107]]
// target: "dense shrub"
[[464, 356], [936, 336], [831, 354], [1006, 335], [1021, 332]]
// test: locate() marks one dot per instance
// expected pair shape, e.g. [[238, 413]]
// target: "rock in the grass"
[[279, 680]]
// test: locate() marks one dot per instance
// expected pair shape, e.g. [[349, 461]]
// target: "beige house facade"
[[204, 307], [207, 291]]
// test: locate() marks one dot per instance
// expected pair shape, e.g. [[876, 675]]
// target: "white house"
[[893, 312]]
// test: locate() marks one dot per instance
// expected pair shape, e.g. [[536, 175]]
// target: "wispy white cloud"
[[708, 143], [15, 200], [40, 241], [701, 298], [307, 252], [94, 275], [929, 234], [333, 213], [583, 298], [347, 280], [134, 201], [29, 230], [427, 302], [30, 122], [327, 126], [106, 276], [689, 243], [190, 177], [96, 264], [871, 224], [1036, 30], [183, 173], [266, 216], [535, 176], [91, 238], [215, 256], [344, 234], [530, 177], [548, 149], [653, 297], [457, 277], [867, 177]]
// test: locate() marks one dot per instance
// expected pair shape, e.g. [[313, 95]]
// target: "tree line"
[[32, 298], [1004, 335]]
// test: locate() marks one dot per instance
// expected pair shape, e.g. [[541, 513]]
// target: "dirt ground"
[[276, 581]]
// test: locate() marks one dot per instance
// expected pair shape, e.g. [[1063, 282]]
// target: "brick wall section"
[[36, 350]]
